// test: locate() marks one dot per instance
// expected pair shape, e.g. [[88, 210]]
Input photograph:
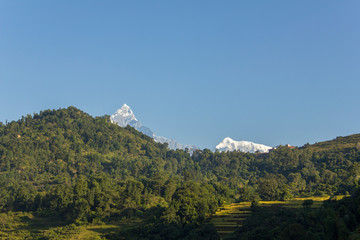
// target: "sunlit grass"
[[226, 220], [229, 217], [314, 198], [19, 225]]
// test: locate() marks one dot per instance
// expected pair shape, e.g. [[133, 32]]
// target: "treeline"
[[66, 163]]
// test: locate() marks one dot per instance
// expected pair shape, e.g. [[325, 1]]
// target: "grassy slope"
[[27, 226], [339, 143], [230, 217]]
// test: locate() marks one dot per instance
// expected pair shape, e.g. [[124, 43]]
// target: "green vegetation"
[[65, 174], [334, 219], [22, 225], [229, 218], [340, 143]]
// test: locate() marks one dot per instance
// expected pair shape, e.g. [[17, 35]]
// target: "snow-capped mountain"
[[244, 146], [124, 116]]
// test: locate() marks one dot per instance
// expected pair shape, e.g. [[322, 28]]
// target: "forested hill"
[[69, 141], [67, 163], [346, 143]]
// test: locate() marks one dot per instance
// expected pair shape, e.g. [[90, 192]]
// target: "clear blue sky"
[[272, 72]]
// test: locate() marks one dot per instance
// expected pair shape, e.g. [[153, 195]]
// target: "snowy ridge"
[[173, 144], [229, 145], [124, 116]]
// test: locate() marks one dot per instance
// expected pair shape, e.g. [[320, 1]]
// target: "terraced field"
[[230, 217], [227, 219]]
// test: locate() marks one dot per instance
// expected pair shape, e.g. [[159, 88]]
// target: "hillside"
[[79, 169], [66, 143], [338, 144]]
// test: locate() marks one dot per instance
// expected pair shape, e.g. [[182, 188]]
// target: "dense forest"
[[68, 164]]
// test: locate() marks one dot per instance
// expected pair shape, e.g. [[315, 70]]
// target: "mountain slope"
[[68, 164], [339, 143], [124, 116], [229, 145]]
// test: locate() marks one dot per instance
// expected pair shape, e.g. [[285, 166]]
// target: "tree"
[[269, 189]]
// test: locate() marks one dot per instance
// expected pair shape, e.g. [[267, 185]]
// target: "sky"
[[272, 72]]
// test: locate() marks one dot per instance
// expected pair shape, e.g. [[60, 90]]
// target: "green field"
[[229, 217], [21, 225]]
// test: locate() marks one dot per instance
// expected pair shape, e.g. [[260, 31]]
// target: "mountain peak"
[[227, 139], [229, 144], [124, 116], [125, 107], [125, 111]]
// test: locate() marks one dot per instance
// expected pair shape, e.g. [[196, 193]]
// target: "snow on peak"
[[229, 144], [228, 140], [124, 116], [124, 113]]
